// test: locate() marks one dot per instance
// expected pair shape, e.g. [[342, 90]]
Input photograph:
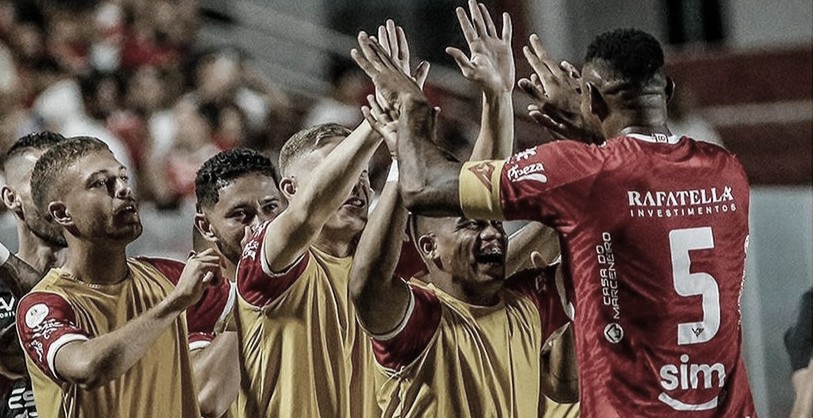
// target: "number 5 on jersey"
[[681, 241]]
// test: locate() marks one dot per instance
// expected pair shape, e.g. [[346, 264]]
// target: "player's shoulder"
[[169, 267], [39, 303], [562, 146], [50, 282]]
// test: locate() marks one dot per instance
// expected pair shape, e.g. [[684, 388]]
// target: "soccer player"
[[654, 230], [467, 342], [296, 330], [105, 335], [302, 352], [40, 247], [462, 341], [236, 191]]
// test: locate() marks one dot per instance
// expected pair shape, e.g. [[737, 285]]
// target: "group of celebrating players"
[[296, 304]]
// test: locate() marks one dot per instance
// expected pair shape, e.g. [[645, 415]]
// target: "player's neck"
[[97, 263], [644, 121], [337, 246], [36, 252]]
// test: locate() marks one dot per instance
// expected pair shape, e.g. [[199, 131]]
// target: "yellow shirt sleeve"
[[480, 189]]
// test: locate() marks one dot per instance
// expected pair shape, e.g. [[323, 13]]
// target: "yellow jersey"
[[61, 309], [302, 352], [452, 359]]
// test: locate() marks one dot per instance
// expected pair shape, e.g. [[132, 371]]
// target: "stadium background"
[[170, 82]]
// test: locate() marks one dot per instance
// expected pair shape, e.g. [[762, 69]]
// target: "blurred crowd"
[[129, 72]]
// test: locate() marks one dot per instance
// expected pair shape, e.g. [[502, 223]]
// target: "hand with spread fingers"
[[384, 120], [392, 84], [559, 92], [381, 113], [491, 64], [393, 40]]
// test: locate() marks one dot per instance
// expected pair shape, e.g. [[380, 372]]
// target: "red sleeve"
[[549, 182], [539, 285], [256, 283], [401, 347], [202, 317], [45, 323]]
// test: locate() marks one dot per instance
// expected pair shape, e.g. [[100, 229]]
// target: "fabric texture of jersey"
[[453, 359], [301, 350], [654, 231], [61, 309]]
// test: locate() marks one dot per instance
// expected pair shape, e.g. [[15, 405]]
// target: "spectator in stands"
[[348, 87]]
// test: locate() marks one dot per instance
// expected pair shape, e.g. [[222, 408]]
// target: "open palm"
[[491, 63]]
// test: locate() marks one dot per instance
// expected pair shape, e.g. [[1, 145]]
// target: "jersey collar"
[[656, 138]]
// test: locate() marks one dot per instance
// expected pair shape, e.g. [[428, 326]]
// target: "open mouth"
[[491, 256], [355, 202], [127, 209]]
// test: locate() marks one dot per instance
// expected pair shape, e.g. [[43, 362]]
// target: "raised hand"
[[392, 84], [393, 40], [491, 64], [384, 120], [559, 91], [200, 272]]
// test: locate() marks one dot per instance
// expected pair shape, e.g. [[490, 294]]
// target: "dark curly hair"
[[219, 171], [49, 169], [630, 54]]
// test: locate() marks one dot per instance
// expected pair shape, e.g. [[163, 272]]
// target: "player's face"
[[98, 201], [351, 217], [474, 250], [247, 201], [19, 180]]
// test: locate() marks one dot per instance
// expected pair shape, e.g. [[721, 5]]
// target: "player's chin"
[[490, 271], [351, 219], [126, 233]]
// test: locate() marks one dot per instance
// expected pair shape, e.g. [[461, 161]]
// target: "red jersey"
[[654, 231]]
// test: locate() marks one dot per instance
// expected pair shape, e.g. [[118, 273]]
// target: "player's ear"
[[670, 88], [59, 213], [288, 187], [10, 200], [203, 226], [598, 105], [426, 243]]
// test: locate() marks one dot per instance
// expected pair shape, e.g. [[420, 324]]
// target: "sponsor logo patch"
[[530, 172], [36, 314], [483, 172], [614, 333]]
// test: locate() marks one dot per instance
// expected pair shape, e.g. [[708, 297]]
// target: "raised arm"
[[293, 231], [428, 180], [380, 298], [531, 238], [490, 67], [93, 362], [290, 234]]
